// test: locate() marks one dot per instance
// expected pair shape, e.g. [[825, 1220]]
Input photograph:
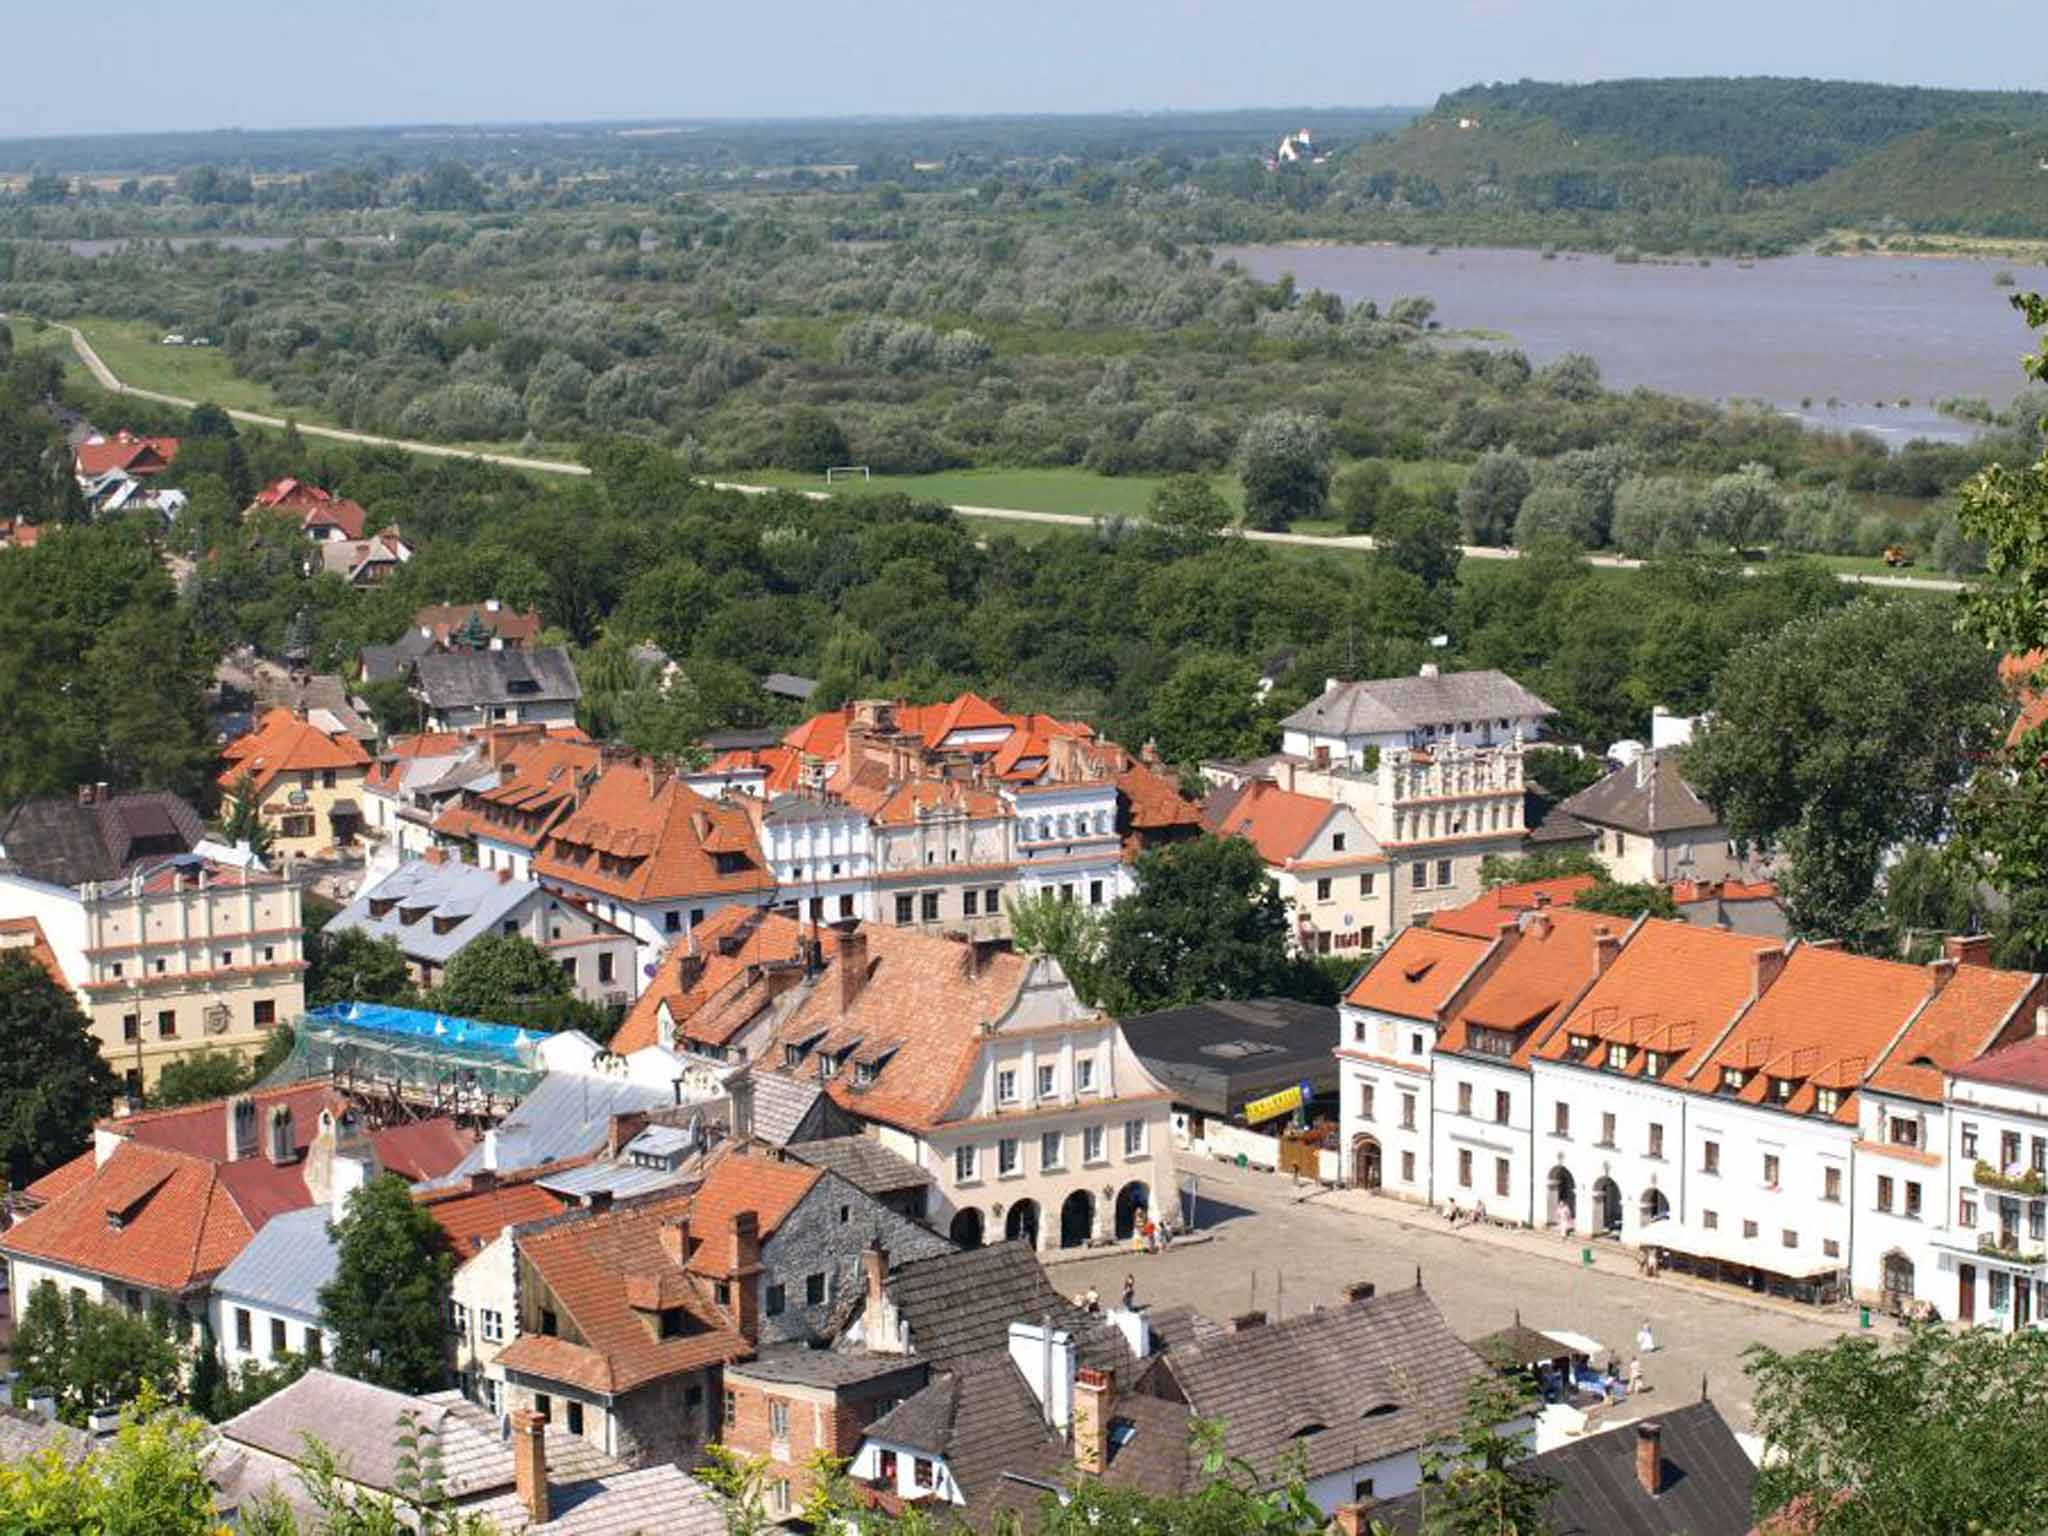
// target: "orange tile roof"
[[1417, 973], [538, 778], [472, 1218], [1278, 822], [1824, 1022], [588, 1265], [917, 1019], [125, 451], [285, 742], [1155, 801], [641, 835], [769, 1187], [783, 766], [2021, 676], [444, 620], [902, 805], [64, 1176], [1978, 1009], [1482, 916], [1536, 971], [727, 990], [1673, 988], [26, 933]]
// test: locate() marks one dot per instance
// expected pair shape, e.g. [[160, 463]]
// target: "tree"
[[1745, 509], [208, 420], [1935, 1431], [812, 441], [1627, 899], [1478, 1485], [1191, 507], [1284, 460], [149, 1480], [1656, 518], [1555, 774], [53, 1081], [1547, 864], [1363, 493], [1208, 708], [348, 966], [499, 975], [205, 1074], [1422, 540], [1205, 922], [1491, 498], [1838, 736], [1069, 932], [387, 1305], [87, 1355], [1553, 512]]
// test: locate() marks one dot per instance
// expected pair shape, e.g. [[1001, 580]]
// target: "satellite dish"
[[649, 969]]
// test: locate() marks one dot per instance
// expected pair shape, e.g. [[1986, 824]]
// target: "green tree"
[[1555, 511], [1208, 708], [1555, 774], [1545, 864], [1191, 507], [1490, 500], [1066, 930], [1479, 1484], [1206, 921], [149, 1480], [387, 1305], [1656, 518], [1744, 509], [1627, 899], [1839, 736], [1422, 540], [87, 1355], [208, 420], [812, 441], [349, 966], [499, 975], [205, 1074], [53, 1081], [1363, 493], [1932, 1431], [1284, 461]]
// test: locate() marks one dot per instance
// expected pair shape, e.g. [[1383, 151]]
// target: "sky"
[[137, 66]]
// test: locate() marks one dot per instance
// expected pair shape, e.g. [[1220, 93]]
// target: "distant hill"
[[1781, 158]]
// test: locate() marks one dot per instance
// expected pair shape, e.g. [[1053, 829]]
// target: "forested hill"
[[1782, 159]]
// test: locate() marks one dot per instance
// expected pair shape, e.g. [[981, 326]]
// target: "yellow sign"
[[1273, 1104]]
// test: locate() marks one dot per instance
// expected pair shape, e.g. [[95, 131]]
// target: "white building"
[[1467, 709], [821, 854], [1649, 826], [1327, 866], [266, 1304]]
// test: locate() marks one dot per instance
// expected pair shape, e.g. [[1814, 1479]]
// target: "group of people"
[[1090, 1300], [1462, 1216]]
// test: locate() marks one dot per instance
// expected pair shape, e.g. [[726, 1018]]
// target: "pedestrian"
[[1093, 1300], [1635, 1377], [1479, 1214], [1130, 1292], [1451, 1210], [1646, 1341]]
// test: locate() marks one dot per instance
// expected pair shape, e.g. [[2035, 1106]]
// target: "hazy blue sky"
[[125, 65]]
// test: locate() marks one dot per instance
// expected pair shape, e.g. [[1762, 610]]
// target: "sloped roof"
[[781, 1104], [465, 679], [1416, 974], [728, 990], [863, 1162], [68, 842], [124, 451], [1387, 704], [443, 620], [285, 1265], [568, 1114], [1649, 796], [2022, 1064], [1541, 967], [1278, 822], [1347, 1385], [524, 787], [285, 742], [472, 1218], [769, 1187], [1482, 916], [381, 662], [1962, 1022], [642, 835], [959, 1306], [361, 1423], [435, 894], [25, 933], [663, 1498]]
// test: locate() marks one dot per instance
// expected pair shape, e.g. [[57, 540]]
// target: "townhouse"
[[1029, 1110], [1992, 1259], [168, 946], [1648, 825], [304, 781], [522, 781], [463, 689], [1327, 866], [322, 516]]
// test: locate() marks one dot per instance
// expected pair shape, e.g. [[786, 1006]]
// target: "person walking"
[[1635, 1377], [1130, 1292]]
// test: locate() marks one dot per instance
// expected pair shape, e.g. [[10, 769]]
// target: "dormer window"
[[1782, 1089], [863, 1073], [792, 1055], [1732, 1079], [1654, 1063], [1826, 1100], [1619, 1056], [1578, 1047]]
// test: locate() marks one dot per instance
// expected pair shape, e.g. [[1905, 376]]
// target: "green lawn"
[[135, 352]]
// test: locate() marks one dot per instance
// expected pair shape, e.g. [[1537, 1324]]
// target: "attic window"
[[792, 1055], [864, 1072], [1578, 1047], [1654, 1063], [1826, 1100], [1732, 1079], [1310, 1428], [1380, 1410], [380, 906], [675, 1322], [1782, 1089], [1619, 1056]]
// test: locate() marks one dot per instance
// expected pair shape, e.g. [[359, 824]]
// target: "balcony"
[[2030, 1183], [2007, 1250]]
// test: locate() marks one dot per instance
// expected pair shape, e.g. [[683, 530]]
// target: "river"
[[1866, 332]]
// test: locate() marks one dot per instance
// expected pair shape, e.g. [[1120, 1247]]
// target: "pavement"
[[1339, 543], [1282, 1247]]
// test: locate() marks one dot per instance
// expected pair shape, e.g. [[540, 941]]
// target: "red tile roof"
[[782, 765], [724, 991], [1482, 916], [641, 834], [538, 780], [2021, 1064], [769, 1187], [1535, 971], [422, 1149], [1978, 1009], [1278, 822], [284, 742], [471, 1218], [1417, 973], [26, 933], [138, 456], [444, 620]]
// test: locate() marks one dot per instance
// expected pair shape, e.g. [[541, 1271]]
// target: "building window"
[[1830, 1248], [1336, 842], [1831, 1185], [1500, 1176], [1464, 1167], [1365, 884], [2008, 1146], [1323, 890], [1710, 1220], [1913, 1201], [575, 1416], [1365, 1092], [964, 1164], [1969, 1140], [493, 1325], [730, 1407], [1607, 1128], [928, 906], [1657, 1142], [1770, 1170], [1966, 1210], [314, 1346], [243, 1331], [1561, 1125], [1418, 875], [1091, 1144], [548, 1325], [1710, 1157], [1443, 871], [1008, 1158], [1134, 1138], [1052, 1150], [1749, 1229], [992, 900], [846, 906], [904, 911], [1407, 1167], [1826, 1100], [569, 969], [672, 920], [607, 965], [922, 1472], [778, 1298], [167, 1024], [814, 1289], [1464, 1098], [1884, 1192], [1906, 1133], [1407, 1111], [266, 1013], [1048, 1080], [1415, 1042], [970, 901], [778, 1419], [1094, 893], [1501, 1102], [1084, 1074], [131, 1026], [1791, 1238], [1006, 1085]]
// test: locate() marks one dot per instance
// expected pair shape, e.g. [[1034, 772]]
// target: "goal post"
[[840, 472]]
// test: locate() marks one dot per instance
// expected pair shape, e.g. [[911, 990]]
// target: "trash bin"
[[1586, 1256], [1242, 1160], [1863, 1316]]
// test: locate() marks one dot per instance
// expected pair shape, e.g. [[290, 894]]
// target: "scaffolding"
[[403, 1064]]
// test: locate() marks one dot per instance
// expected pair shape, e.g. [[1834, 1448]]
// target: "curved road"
[[1340, 543]]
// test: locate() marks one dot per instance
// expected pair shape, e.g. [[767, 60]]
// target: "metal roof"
[[475, 900], [568, 1114], [619, 1180], [285, 1265]]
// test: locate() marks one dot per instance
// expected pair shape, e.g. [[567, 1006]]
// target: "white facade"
[[1905, 1202], [483, 1317], [822, 856], [1386, 1104], [1619, 1141], [1990, 1246], [1483, 1145], [1066, 842], [1766, 1188], [253, 1334]]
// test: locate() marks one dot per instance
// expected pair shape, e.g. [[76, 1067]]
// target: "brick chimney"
[[1939, 974], [1244, 1322], [675, 1240], [1606, 948], [1350, 1520], [1764, 967], [1094, 1397], [853, 968], [1650, 1457], [622, 1129], [874, 1273], [1359, 1290], [1539, 898], [746, 1269], [530, 1464], [280, 1144], [689, 970], [1967, 948]]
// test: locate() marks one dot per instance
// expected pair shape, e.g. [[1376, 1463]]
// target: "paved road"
[[1273, 1253], [1333, 542]]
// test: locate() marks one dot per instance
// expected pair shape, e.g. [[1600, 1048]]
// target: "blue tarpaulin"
[[467, 1037]]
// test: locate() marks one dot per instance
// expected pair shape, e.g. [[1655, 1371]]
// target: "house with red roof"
[[127, 453], [1325, 862], [323, 517], [306, 782]]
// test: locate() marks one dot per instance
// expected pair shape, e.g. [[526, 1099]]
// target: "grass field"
[[1079, 491], [139, 359]]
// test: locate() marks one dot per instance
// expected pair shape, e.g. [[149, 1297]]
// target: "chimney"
[[85, 794], [689, 970], [1094, 1397], [874, 1270], [1359, 1290], [746, 1268], [853, 968], [1430, 669], [675, 1240], [280, 1145], [1967, 948], [1537, 922], [482, 1180], [1650, 1457], [505, 875], [1350, 1520], [1606, 946], [240, 1113], [530, 1464], [622, 1129], [1764, 966], [1244, 1322], [1939, 974]]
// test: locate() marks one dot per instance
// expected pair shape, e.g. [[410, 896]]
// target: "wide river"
[[1796, 331]]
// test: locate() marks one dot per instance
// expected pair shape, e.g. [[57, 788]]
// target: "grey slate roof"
[[662, 1499], [468, 679], [24, 1434], [1649, 795], [1215, 1056], [1707, 1483], [568, 1114], [360, 1423], [452, 890], [741, 738], [1380, 705], [959, 1305], [284, 1265], [1379, 1376], [788, 685], [381, 662], [801, 1366], [863, 1162], [780, 1104], [1560, 827], [64, 842]]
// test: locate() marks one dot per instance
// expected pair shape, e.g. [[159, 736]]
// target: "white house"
[[1328, 867], [266, 1304], [1465, 709], [1991, 1251]]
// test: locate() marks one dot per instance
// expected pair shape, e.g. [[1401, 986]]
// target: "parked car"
[[174, 340]]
